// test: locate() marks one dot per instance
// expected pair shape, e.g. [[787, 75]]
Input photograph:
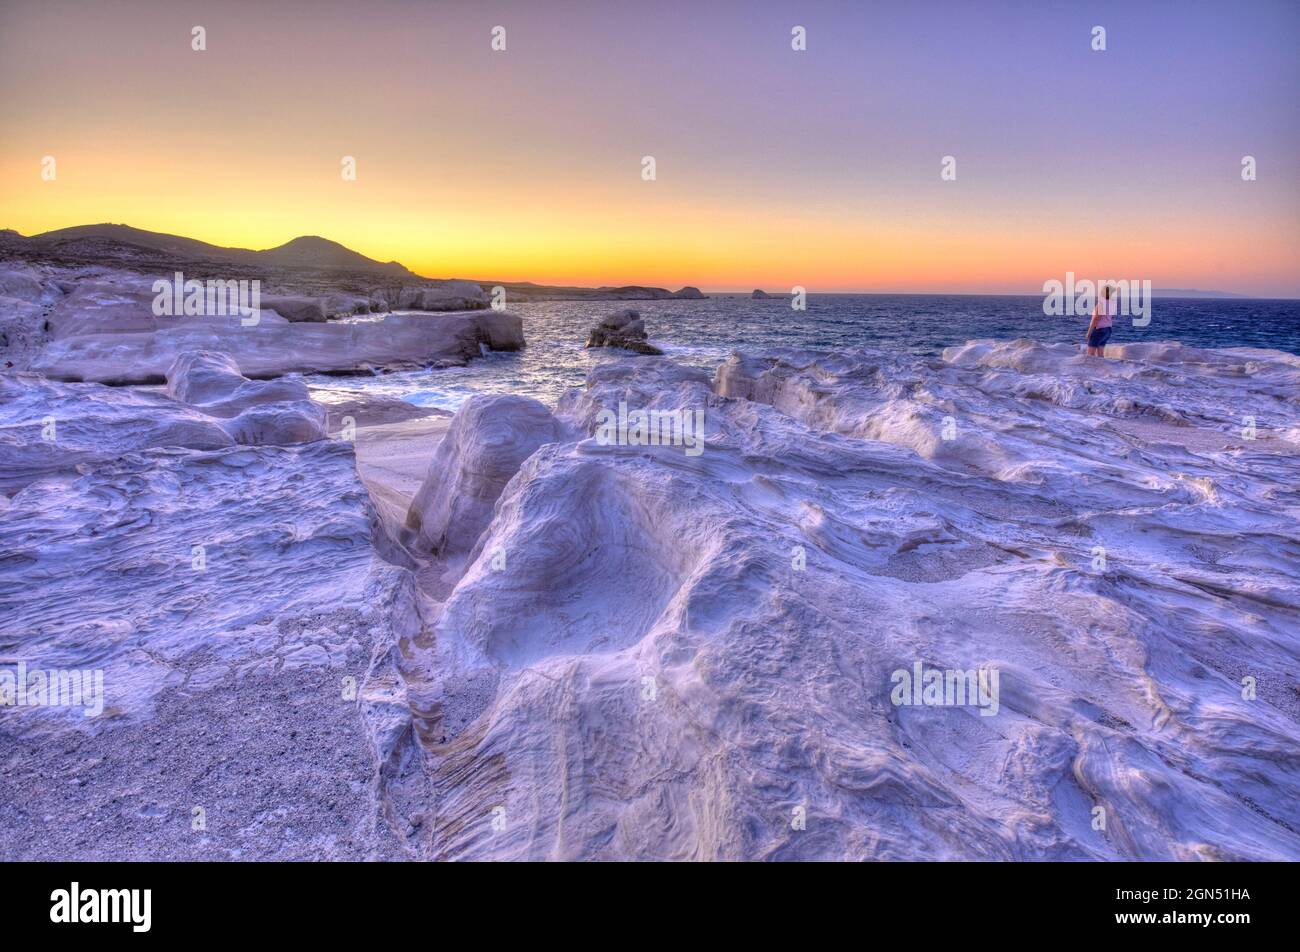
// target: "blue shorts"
[[1099, 336]]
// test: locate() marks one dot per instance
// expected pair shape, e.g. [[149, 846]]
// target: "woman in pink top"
[[1102, 323]]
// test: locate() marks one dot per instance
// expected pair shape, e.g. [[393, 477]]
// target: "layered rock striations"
[[654, 655], [599, 643]]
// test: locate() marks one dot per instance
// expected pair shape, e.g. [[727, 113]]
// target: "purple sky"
[[819, 168]]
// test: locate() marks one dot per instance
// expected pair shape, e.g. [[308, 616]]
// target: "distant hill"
[[167, 244], [125, 242], [310, 251], [1191, 293], [326, 261], [528, 291]]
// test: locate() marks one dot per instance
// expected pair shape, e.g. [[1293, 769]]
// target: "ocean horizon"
[[703, 333]]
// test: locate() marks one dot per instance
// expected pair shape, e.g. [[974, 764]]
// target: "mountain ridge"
[[331, 261], [314, 252], [305, 251]]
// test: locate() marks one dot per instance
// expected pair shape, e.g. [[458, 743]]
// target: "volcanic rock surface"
[[621, 650], [652, 655], [217, 562]]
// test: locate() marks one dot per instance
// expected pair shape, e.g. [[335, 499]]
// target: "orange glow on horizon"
[[773, 169], [626, 237]]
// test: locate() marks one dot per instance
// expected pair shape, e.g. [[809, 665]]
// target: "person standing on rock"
[[1102, 323]]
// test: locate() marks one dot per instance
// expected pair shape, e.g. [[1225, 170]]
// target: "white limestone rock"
[[295, 308], [655, 655], [279, 411], [213, 381], [19, 281], [632, 651], [115, 303], [49, 428], [26, 298], [489, 438], [345, 305], [439, 296], [206, 586], [99, 325], [273, 348]]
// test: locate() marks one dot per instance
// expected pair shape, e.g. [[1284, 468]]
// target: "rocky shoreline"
[[355, 629]]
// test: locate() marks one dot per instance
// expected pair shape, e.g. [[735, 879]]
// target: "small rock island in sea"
[[623, 329]]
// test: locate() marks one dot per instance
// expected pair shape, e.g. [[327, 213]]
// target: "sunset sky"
[[775, 167]]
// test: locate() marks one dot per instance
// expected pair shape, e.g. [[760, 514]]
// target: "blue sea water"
[[702, 333]]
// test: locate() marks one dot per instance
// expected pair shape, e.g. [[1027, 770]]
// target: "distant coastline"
[[1189, 293], [138, 249]]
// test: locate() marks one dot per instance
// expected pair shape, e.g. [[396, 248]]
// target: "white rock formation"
[[489, 439], [226, 685], [98, 324], [213, 380], [296, 308], [343, 305], [21, 282], [26, 297], [444, 296], [113, 303], [278, 412], [662, 656], [626, 651], [49, 428], [230, 598], [274, 347]]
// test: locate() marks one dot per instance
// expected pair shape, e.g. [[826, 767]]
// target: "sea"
[[703, 333]]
